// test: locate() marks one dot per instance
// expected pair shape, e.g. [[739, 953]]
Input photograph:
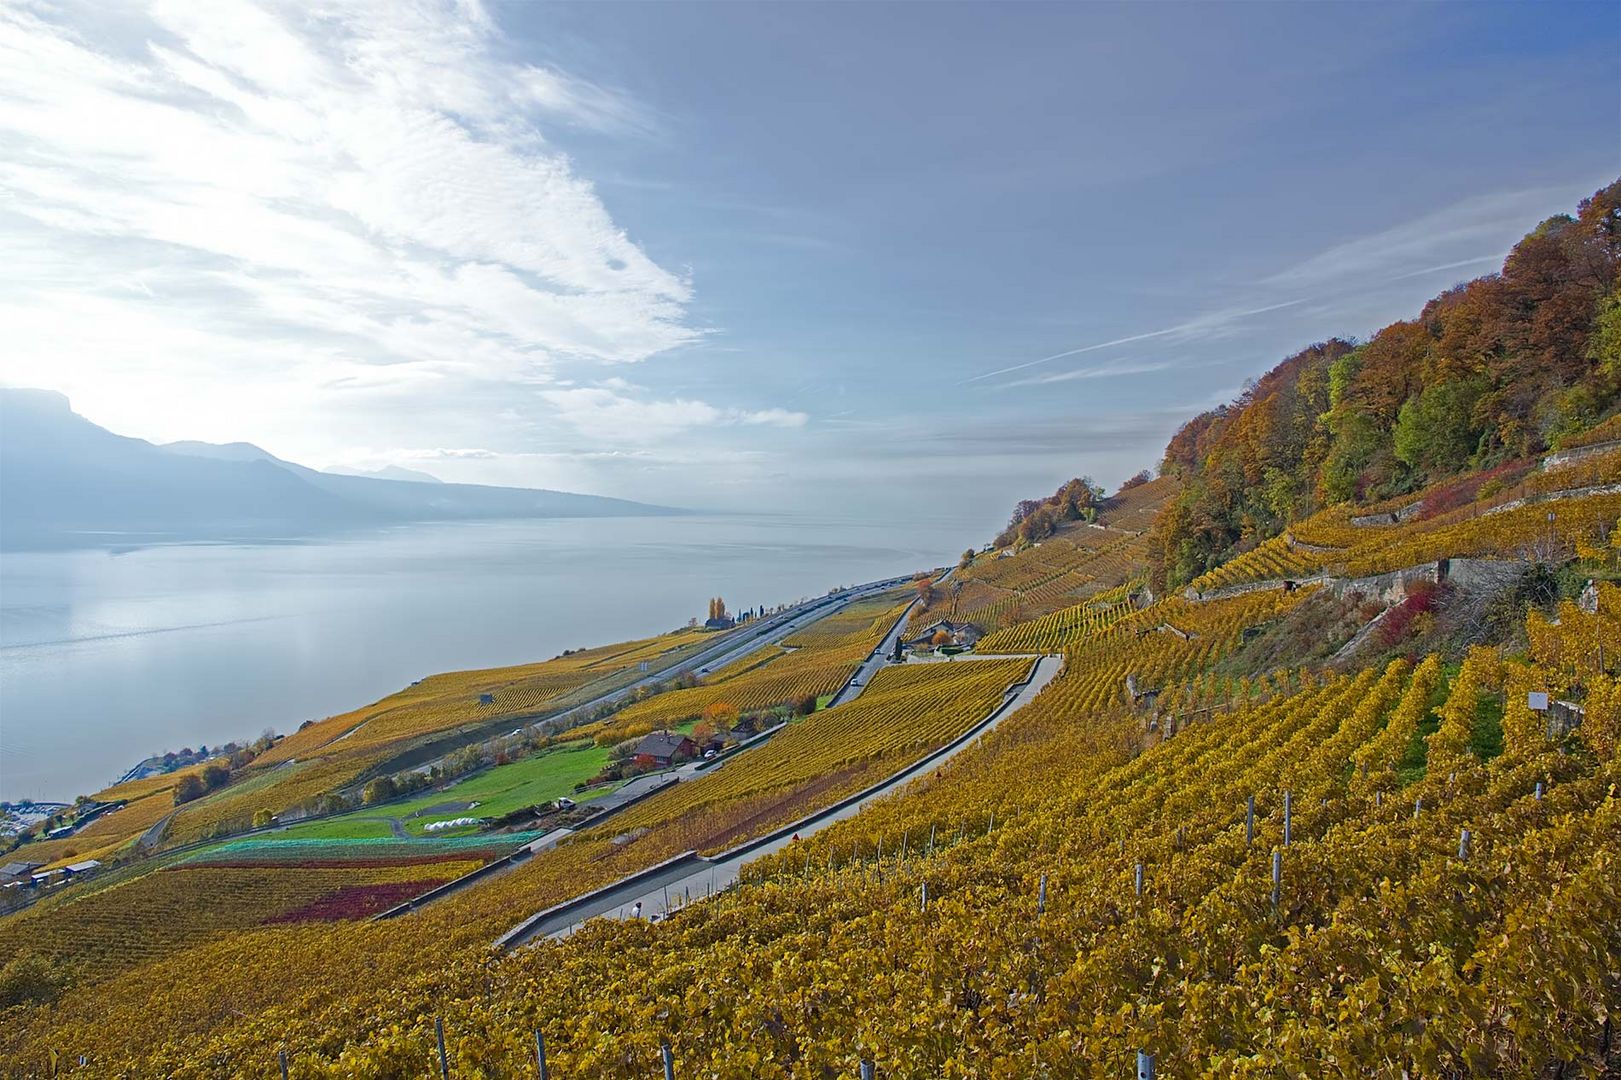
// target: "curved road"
[[659, 891]]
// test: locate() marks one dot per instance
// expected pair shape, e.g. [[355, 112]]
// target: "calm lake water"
[[108, 657]]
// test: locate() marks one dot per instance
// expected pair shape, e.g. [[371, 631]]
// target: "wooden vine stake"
[[1277, 877]]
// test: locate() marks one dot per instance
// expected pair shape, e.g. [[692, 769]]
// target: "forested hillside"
[[1490, 373]]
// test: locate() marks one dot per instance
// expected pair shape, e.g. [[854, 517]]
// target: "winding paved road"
[[660, 889]]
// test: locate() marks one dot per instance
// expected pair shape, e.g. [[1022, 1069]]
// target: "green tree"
[[1435, 430]]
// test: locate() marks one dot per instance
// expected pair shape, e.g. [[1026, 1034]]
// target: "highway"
[[747, 639], [668, 886]]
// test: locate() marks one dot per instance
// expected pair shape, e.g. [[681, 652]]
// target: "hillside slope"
[[1490, 373], [1304, 815], [68, 482]]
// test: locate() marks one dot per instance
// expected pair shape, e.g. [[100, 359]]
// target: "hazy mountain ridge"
[[387, 472], [66, 482]]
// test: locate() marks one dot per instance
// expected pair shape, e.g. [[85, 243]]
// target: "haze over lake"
[[106, 657]]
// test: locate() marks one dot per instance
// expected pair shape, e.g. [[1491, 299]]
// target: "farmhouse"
[[662, 748], [961, 634], [18, 871]]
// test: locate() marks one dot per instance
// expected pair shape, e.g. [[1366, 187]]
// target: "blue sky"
[[908, 260]]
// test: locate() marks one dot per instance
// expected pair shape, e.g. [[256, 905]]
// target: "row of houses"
[[31, 875]]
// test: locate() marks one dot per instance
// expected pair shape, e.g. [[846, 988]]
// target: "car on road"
[[564, 804]]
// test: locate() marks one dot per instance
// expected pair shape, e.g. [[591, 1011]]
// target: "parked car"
[[564, 804]]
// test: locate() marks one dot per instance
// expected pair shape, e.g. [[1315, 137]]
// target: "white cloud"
[[606, 415], [218, 215]]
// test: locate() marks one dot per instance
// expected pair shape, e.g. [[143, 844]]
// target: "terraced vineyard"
[[443, 702], [1052, 632], [904, 712], [1077, 564], [339, 752], [1488, 522], [154, 915], [814, 662]]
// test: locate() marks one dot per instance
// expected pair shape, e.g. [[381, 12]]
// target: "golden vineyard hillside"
[[1306, 816]]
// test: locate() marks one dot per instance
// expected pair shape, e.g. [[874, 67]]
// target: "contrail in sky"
[[1204, 321]]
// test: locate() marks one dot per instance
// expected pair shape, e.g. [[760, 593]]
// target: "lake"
[[106, 657]]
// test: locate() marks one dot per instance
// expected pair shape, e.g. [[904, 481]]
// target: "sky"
[[909, 261]]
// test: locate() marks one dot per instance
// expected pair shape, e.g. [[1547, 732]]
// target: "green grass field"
[[536, 779]]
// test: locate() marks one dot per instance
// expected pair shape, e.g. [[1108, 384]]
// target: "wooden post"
[[1277, 877], [669, 1061], [1249, 823], [1139, 877], [540, 1055], [1145, 1066], [439, 1040], [1539, 791], [1378, 799], [1041, 896], [925, 906], [281, 1058], [1463, 846], [1288, 808], [931, 839], [1418, 804]]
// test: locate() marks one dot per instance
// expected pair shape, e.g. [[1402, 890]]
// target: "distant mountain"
[[65, 482], [387, 472]]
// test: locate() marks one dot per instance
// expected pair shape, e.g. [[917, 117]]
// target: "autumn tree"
[[379, 790], [1492, 371], [720, 715]]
